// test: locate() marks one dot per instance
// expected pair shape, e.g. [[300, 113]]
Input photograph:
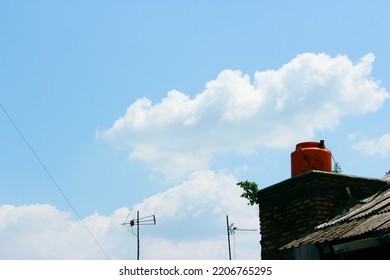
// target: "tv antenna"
[[230, 231], [144, 221]]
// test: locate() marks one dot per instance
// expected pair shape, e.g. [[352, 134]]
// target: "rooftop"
[[368, 218]]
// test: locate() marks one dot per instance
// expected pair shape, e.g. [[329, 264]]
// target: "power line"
[[54, 181]]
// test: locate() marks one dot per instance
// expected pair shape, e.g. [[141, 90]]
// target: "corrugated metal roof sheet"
[[369, 215], [386, 177]]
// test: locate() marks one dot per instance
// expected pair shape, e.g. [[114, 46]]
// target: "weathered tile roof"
[[371, 215]]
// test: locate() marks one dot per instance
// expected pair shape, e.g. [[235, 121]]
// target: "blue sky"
[[162, 106]]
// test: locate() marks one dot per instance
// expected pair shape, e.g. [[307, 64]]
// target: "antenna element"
[[145, 221]]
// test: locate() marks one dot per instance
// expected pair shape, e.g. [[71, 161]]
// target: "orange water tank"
[[310, 156]]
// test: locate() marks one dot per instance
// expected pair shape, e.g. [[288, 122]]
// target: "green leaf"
[[250, 191]]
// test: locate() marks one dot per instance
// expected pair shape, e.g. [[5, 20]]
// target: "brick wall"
[[292, 208]]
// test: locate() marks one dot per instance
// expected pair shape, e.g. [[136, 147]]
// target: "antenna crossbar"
[[230, 231], [144, 221]]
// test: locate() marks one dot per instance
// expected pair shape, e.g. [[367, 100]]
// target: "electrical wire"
[[54, 181], [128, 231], [132, 231]]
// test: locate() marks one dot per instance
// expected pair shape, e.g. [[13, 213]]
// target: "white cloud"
[[191, 219], [191, 224], [41, 231], [203, 191], [203, 250], [379, 146], [278, 108]]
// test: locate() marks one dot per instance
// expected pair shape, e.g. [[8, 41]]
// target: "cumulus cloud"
[[42, 231], [233, 114], [372, 147], [190, 218], [204, 191]]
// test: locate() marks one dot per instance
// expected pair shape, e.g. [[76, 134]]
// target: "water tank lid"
[[312, 144]]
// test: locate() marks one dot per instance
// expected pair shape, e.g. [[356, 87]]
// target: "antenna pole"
[[228, 236], [137, 235], [149, 220], [230, 231]]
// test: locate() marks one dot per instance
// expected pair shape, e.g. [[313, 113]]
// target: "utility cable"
[[54, 181]]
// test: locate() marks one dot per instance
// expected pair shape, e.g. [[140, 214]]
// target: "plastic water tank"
[[310, 156]]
